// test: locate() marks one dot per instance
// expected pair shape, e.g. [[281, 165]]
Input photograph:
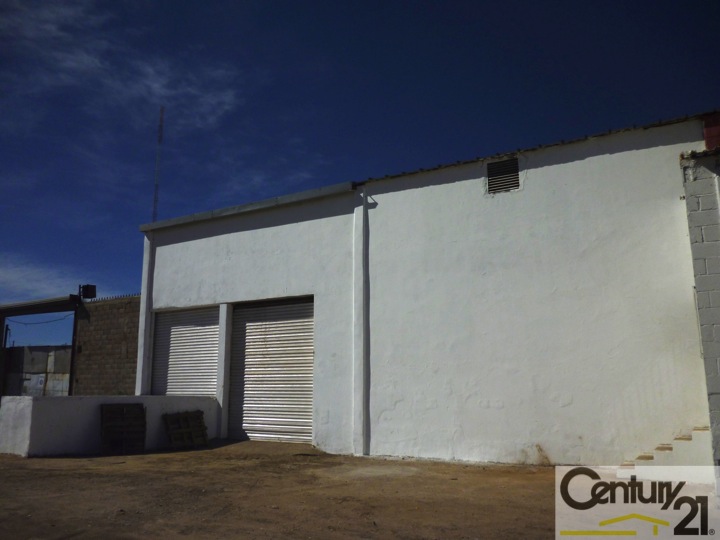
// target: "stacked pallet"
[[186, 429], [122, 428]]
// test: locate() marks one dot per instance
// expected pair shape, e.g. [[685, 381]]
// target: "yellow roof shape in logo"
[[619, 519], [634, 516]]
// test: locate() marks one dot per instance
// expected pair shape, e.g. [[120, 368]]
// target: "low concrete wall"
[[48, 426], [15, 422]]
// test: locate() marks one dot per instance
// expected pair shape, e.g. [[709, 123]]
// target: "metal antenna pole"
[[157, 164]]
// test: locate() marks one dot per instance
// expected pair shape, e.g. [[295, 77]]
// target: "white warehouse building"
[[552, 305]]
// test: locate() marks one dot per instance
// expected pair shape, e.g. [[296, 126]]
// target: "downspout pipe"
[[362, 326], [143, 376]]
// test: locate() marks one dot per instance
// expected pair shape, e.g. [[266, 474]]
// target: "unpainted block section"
[[703, 185], [702, 205], [712, 367], [707, 332], [106, 353], [705, 250], [708, 202], [711, 233], [713, 265], [703, 217], [707, 284]]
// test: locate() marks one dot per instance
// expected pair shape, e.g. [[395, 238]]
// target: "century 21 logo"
[[638, 492]]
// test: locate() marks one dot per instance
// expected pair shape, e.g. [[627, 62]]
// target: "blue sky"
[[264, 98]]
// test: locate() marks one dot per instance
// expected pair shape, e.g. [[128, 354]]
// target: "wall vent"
[[503, 175]]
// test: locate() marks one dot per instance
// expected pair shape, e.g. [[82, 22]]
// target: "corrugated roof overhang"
[[34, 307], [350, 186], [293, 198]]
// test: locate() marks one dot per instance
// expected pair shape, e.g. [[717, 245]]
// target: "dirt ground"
[[270, 490]]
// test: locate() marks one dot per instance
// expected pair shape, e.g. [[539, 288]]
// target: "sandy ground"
[[270, 490]]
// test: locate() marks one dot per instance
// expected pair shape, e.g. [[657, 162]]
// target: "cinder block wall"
[[106, 348], [703, 199]]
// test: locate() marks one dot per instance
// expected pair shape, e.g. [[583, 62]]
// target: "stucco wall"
[[47, 426], [301, 250], [556, 322]]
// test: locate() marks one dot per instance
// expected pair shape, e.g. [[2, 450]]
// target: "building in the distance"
[[547, 305]]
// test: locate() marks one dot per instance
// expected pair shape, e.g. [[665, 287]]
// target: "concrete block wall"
[[106, 347], [702, 196]]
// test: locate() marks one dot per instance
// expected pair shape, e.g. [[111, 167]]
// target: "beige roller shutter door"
[[185, 353], [271, 374]]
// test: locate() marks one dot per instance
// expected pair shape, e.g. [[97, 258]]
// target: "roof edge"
[[47, 305], [562, 142], [350, 186], [283, 200]]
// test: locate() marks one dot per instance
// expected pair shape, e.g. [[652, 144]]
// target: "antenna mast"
[[157, 164]]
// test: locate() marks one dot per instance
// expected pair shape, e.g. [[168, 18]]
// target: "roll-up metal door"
[[185, 353], [271, 374]]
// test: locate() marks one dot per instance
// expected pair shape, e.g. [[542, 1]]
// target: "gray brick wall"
[[106, 353], [702, 197]]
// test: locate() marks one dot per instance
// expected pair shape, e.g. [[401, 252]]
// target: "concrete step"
[[689, 455]]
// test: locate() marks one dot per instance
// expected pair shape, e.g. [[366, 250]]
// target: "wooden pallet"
[[186, 429], [122, 428]]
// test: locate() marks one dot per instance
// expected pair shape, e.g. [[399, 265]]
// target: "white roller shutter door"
[[185, 353], [271, 374]]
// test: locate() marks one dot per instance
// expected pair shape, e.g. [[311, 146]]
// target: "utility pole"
[[157, 164], [3, 354]]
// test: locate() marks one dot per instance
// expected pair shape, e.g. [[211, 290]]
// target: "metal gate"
[[271, 372], [185, 353]]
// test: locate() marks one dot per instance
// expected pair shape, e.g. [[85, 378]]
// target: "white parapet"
[[47, 426]]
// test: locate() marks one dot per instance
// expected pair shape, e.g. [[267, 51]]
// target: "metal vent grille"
[[503, 175]]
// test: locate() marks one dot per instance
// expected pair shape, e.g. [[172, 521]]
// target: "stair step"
[[675, 459]]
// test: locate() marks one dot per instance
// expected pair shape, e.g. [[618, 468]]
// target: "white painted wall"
[[555, 322], [15, 422], [304, 249], [47, 426]]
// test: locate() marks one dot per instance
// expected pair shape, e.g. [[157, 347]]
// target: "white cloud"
[[23, 280], [58, 41], [81, 56], [37, 21], [197, 98], [72, 44]]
